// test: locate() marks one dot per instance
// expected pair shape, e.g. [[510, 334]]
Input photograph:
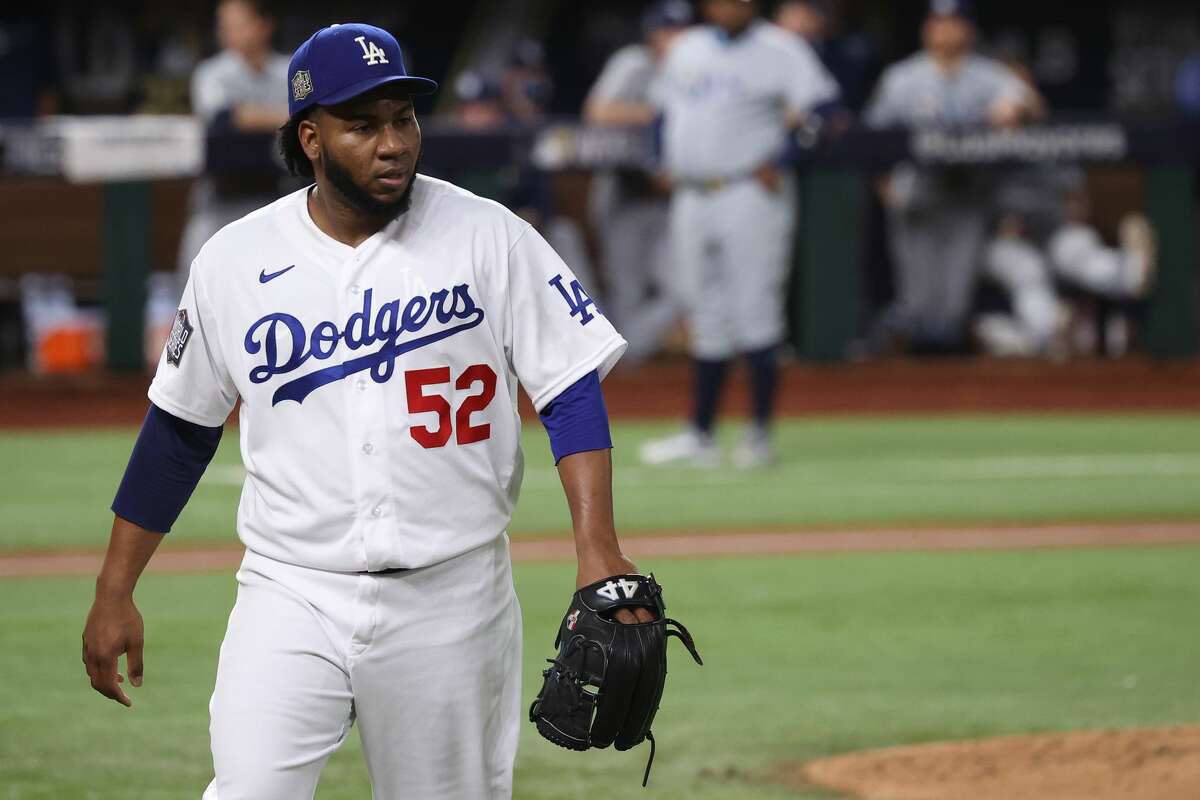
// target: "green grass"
[[55, 488], [804, 657]]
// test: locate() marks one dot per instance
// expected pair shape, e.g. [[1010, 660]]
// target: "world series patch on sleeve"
[[606, 682], [181, 333]]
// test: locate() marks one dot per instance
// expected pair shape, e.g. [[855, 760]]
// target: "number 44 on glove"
[[605, 685]]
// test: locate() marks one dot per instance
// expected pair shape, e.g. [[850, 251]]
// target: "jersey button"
[[368, 448], [361, 384], [355, 289], [377, 511]]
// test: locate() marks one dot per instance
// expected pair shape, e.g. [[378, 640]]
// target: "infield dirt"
[[745, 543], [1133, 764]]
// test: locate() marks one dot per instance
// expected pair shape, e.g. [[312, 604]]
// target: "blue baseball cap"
[[952, 8], [667, 14], [343, 61]]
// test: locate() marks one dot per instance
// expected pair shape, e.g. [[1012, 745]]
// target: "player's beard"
[[362, 200]]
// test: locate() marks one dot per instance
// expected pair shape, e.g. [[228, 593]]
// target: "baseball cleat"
[[689, 446], [754, 451]]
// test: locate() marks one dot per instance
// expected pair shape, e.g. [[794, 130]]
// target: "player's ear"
[[310, 138]]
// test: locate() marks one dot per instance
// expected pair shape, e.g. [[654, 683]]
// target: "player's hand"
[[1006, 114], [114, 626], [886, 191], [597, 568], [768, 176]]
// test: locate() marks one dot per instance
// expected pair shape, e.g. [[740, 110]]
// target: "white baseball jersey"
[[727, 101], [378, 422]]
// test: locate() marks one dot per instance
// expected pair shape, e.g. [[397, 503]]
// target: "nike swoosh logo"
[[264, 276]]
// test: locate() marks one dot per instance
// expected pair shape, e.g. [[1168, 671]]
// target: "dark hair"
[[294, 158]]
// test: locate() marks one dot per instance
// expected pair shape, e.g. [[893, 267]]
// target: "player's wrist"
[[593, 549], [114, 589], [599, 566]]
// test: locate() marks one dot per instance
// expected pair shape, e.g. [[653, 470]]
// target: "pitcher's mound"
[[1134, 764]]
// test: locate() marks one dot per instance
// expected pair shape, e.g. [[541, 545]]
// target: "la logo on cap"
[[372, 53]]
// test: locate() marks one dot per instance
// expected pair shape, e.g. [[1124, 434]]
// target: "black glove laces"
[[681, 633], [579, 677]]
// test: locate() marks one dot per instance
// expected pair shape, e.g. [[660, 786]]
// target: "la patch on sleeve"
[[181, 334], [577, 299]]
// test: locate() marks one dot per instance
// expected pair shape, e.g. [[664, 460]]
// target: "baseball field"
[[897, 579]]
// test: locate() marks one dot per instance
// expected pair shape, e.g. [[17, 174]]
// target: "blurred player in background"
[[732, 92], [477, 103], [628, 205], [526, 86], [850, 56], [480, 107], [29, 67], [938, 218], [242, 88], [1044, 237]]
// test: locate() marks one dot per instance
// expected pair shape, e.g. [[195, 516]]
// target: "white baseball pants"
[[427, 661]]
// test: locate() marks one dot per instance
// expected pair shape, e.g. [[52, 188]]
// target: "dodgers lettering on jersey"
[[378, 384], [726, 102], [361, 329]]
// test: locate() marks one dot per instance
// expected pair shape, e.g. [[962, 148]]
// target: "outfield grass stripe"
[[835, 474], [747, 543], [896, 470], [1060, 466]]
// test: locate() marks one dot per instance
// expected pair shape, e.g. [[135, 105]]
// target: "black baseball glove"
[[605, 685]]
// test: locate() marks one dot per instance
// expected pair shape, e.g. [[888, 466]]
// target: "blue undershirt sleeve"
[[577, 419], [167, 461]]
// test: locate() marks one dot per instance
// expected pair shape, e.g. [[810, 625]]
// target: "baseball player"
[[731, 91], [1044, 237], [848, 54], [629, 208], [375, 326], [937, 218], [244, 87]]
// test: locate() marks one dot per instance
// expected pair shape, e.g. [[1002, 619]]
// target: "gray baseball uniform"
[[938, 218], [631, 218], [728, 104], [627, 75], [218, 84]]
